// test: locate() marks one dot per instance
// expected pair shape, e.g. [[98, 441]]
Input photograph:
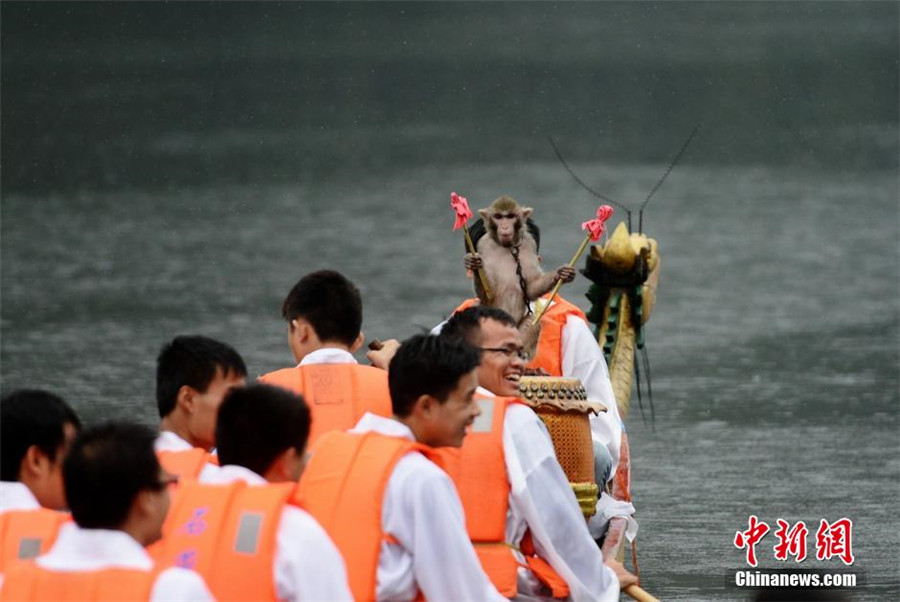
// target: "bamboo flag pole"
[[461, 206], [540, 311], [480, 271], [595, 228]]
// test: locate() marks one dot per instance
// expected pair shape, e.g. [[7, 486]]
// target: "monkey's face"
[[507, 227]]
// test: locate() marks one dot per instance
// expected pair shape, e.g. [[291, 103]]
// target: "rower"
[[119, 496], [237, 526], [324, 316], [193, 374], [37, 430], [531, 533]]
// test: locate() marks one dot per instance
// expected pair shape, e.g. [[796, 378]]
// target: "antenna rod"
[[671, 166], [585, 186]]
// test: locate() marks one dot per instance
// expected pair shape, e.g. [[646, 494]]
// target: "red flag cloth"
[[597, 226], [461, 206]]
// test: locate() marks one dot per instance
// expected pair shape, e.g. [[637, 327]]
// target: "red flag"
[[461, 206], [597, 226]]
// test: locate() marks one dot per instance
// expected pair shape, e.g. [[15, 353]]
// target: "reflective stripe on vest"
[[548, 355], [186, 463], [343, 487], [337, 394], [28, 582], [228, 534], [25, 534]]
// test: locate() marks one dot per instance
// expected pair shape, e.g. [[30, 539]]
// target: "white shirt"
[[328, 355], [83, 550], [421, 509], [169, 441], [16, 496], [582, 358], [541, 500], [307, 564]]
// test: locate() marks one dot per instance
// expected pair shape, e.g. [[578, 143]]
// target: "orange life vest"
[[227, 533], [28, 582], [337, 394], [343, 487], [478, 469], [549, 349], [27, 533], [186, 463]]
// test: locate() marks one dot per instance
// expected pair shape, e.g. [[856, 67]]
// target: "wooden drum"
[[562, 405]]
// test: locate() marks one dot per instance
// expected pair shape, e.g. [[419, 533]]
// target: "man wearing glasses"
[[541, 512]]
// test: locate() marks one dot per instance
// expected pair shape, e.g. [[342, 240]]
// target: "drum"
[[563, 406]]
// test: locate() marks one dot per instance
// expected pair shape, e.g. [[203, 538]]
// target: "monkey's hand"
[[473, 262], [566, 273]]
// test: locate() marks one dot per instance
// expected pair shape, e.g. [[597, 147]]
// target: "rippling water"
[[174, 169]]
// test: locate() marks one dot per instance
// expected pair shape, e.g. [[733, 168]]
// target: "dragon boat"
[[624, 273]]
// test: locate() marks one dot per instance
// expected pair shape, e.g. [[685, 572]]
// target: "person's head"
[[265, 429], [494, 332], [36, 430], [324, 309], [432, 381], [193, 373], [114, 481]]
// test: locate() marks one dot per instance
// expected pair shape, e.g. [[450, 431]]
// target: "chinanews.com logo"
[[832, 540]]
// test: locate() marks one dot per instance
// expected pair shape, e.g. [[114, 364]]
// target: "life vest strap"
[[541, 569]]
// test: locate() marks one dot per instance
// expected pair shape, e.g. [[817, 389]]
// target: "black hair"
[[477, 230], [258, 423], [107, 467], [428, 365], [466, 324], [329, 302], [31, 417], [192, 361]]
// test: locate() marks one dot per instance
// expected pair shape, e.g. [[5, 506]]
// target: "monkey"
[[508, 254]]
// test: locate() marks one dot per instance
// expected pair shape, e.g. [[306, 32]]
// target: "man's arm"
[[433, 530], [543, 496], [308, 566]]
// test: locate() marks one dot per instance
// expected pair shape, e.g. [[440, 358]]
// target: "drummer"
[[541, 506]]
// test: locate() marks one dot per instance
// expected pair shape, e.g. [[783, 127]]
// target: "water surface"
[[174, 169]]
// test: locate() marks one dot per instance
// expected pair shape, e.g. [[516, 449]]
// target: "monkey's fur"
[[508, 254]]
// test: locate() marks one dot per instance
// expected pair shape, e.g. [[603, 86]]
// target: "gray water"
[[174, 169]]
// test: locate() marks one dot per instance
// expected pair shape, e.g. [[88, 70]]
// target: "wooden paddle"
[[635, 592]]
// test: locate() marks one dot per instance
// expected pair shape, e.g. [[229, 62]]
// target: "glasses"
[[509, 352]]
